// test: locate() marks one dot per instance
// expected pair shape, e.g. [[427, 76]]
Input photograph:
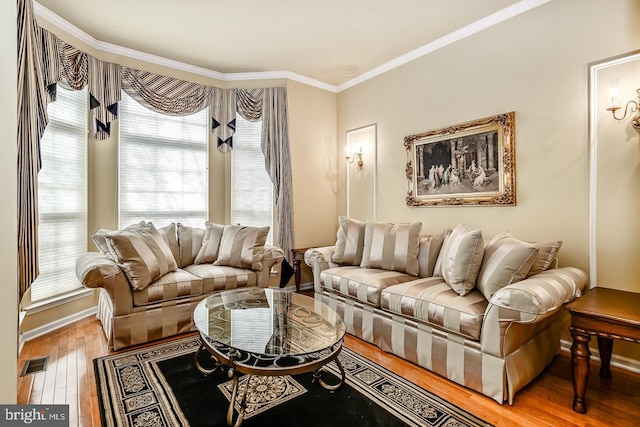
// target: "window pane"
[[62, 195], [163, 166], [251, 188]]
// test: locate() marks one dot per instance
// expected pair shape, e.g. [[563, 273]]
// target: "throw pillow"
[[190, 242], [350, 242], [462, 258], [546, 254], [210, 244], [506, 260], [392, 247], [100, 239], [242, 246], [428, 252], [168, 233], [142, 253]]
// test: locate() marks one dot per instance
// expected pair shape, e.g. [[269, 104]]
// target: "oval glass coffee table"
[[270, 332]]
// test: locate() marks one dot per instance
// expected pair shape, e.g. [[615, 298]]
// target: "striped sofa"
[[490, 338], [148, 290]]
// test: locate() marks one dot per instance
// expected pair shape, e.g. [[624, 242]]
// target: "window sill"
[[57, 301]]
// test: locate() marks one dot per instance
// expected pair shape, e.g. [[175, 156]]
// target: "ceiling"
[[332, 41]]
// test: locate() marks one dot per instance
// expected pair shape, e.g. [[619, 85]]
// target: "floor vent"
[[34, 366]]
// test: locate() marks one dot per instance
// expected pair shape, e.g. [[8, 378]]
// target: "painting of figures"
[[467, 164]]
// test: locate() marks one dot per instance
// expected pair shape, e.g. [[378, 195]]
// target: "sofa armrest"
[[273, 256], [519, 311], [94, 270], [319, 259]]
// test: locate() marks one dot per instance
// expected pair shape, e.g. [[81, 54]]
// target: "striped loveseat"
[[150, 280], [486, 315]]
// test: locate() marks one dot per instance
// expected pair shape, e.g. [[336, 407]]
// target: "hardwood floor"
[[69, 379]]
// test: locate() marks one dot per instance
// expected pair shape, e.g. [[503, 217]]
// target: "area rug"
[[160, 386]]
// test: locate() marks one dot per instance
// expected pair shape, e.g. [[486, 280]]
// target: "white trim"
[[57, 324], [593, 156], [621, 362], [58, 301], [464, 32]]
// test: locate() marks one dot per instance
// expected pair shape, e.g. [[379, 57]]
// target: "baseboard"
[[50, 327], [621, 362]]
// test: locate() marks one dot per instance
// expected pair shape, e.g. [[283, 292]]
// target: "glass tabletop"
[[269, 322]]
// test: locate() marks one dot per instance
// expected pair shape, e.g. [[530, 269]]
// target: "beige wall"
[[535, 64], [8, 191]]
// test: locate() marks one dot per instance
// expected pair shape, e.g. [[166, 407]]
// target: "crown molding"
[[464, 32], [64, 25]]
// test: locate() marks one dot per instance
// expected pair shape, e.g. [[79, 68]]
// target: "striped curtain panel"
[[32, 120], [275, 146]]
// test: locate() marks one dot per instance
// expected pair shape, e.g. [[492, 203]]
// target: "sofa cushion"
[[220, 278], [350, 242], [142, 253], [432, 301], [190, 241], [363, 284], [174, 285], [390, 246], [506, 260], [545, 256], [208, 252], [99, 237], [242, 246], [168, 233], [461, 258], [428, 250]]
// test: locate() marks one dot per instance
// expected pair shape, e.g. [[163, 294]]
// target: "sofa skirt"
[[449, 355]]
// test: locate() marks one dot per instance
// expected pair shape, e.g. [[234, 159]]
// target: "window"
[[62, 195], [163, 166], [251, 187]]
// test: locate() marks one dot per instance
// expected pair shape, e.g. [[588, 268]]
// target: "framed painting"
[[470, 163]]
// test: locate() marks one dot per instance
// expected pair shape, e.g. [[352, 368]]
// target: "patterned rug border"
[[149, 395]]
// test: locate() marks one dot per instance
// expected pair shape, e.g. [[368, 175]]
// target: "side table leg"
[[580, 355], [605, 347]]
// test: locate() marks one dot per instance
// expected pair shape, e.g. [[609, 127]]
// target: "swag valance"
[[45, 60]]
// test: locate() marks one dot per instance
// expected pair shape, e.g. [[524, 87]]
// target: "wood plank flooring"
[[70, 379]]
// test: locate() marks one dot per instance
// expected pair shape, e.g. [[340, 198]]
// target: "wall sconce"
[[355, 157], [631, 105]]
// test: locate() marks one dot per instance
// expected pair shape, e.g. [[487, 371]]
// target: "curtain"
[[32, 120], [275, 146]]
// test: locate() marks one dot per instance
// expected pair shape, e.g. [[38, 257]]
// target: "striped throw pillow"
[[168, 233], [461, 258], [189, 241], [546, 255], [208, 252], [242, 246], [506, 260], [350, 242], [428, 252], [391, 247], [142, 253]]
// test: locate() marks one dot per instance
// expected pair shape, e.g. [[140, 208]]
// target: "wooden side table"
[[297, 257], [607, 314]]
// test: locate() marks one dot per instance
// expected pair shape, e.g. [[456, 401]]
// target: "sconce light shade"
[[631, 106]]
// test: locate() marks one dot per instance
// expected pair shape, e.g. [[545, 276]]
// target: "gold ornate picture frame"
[[470, 163]]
